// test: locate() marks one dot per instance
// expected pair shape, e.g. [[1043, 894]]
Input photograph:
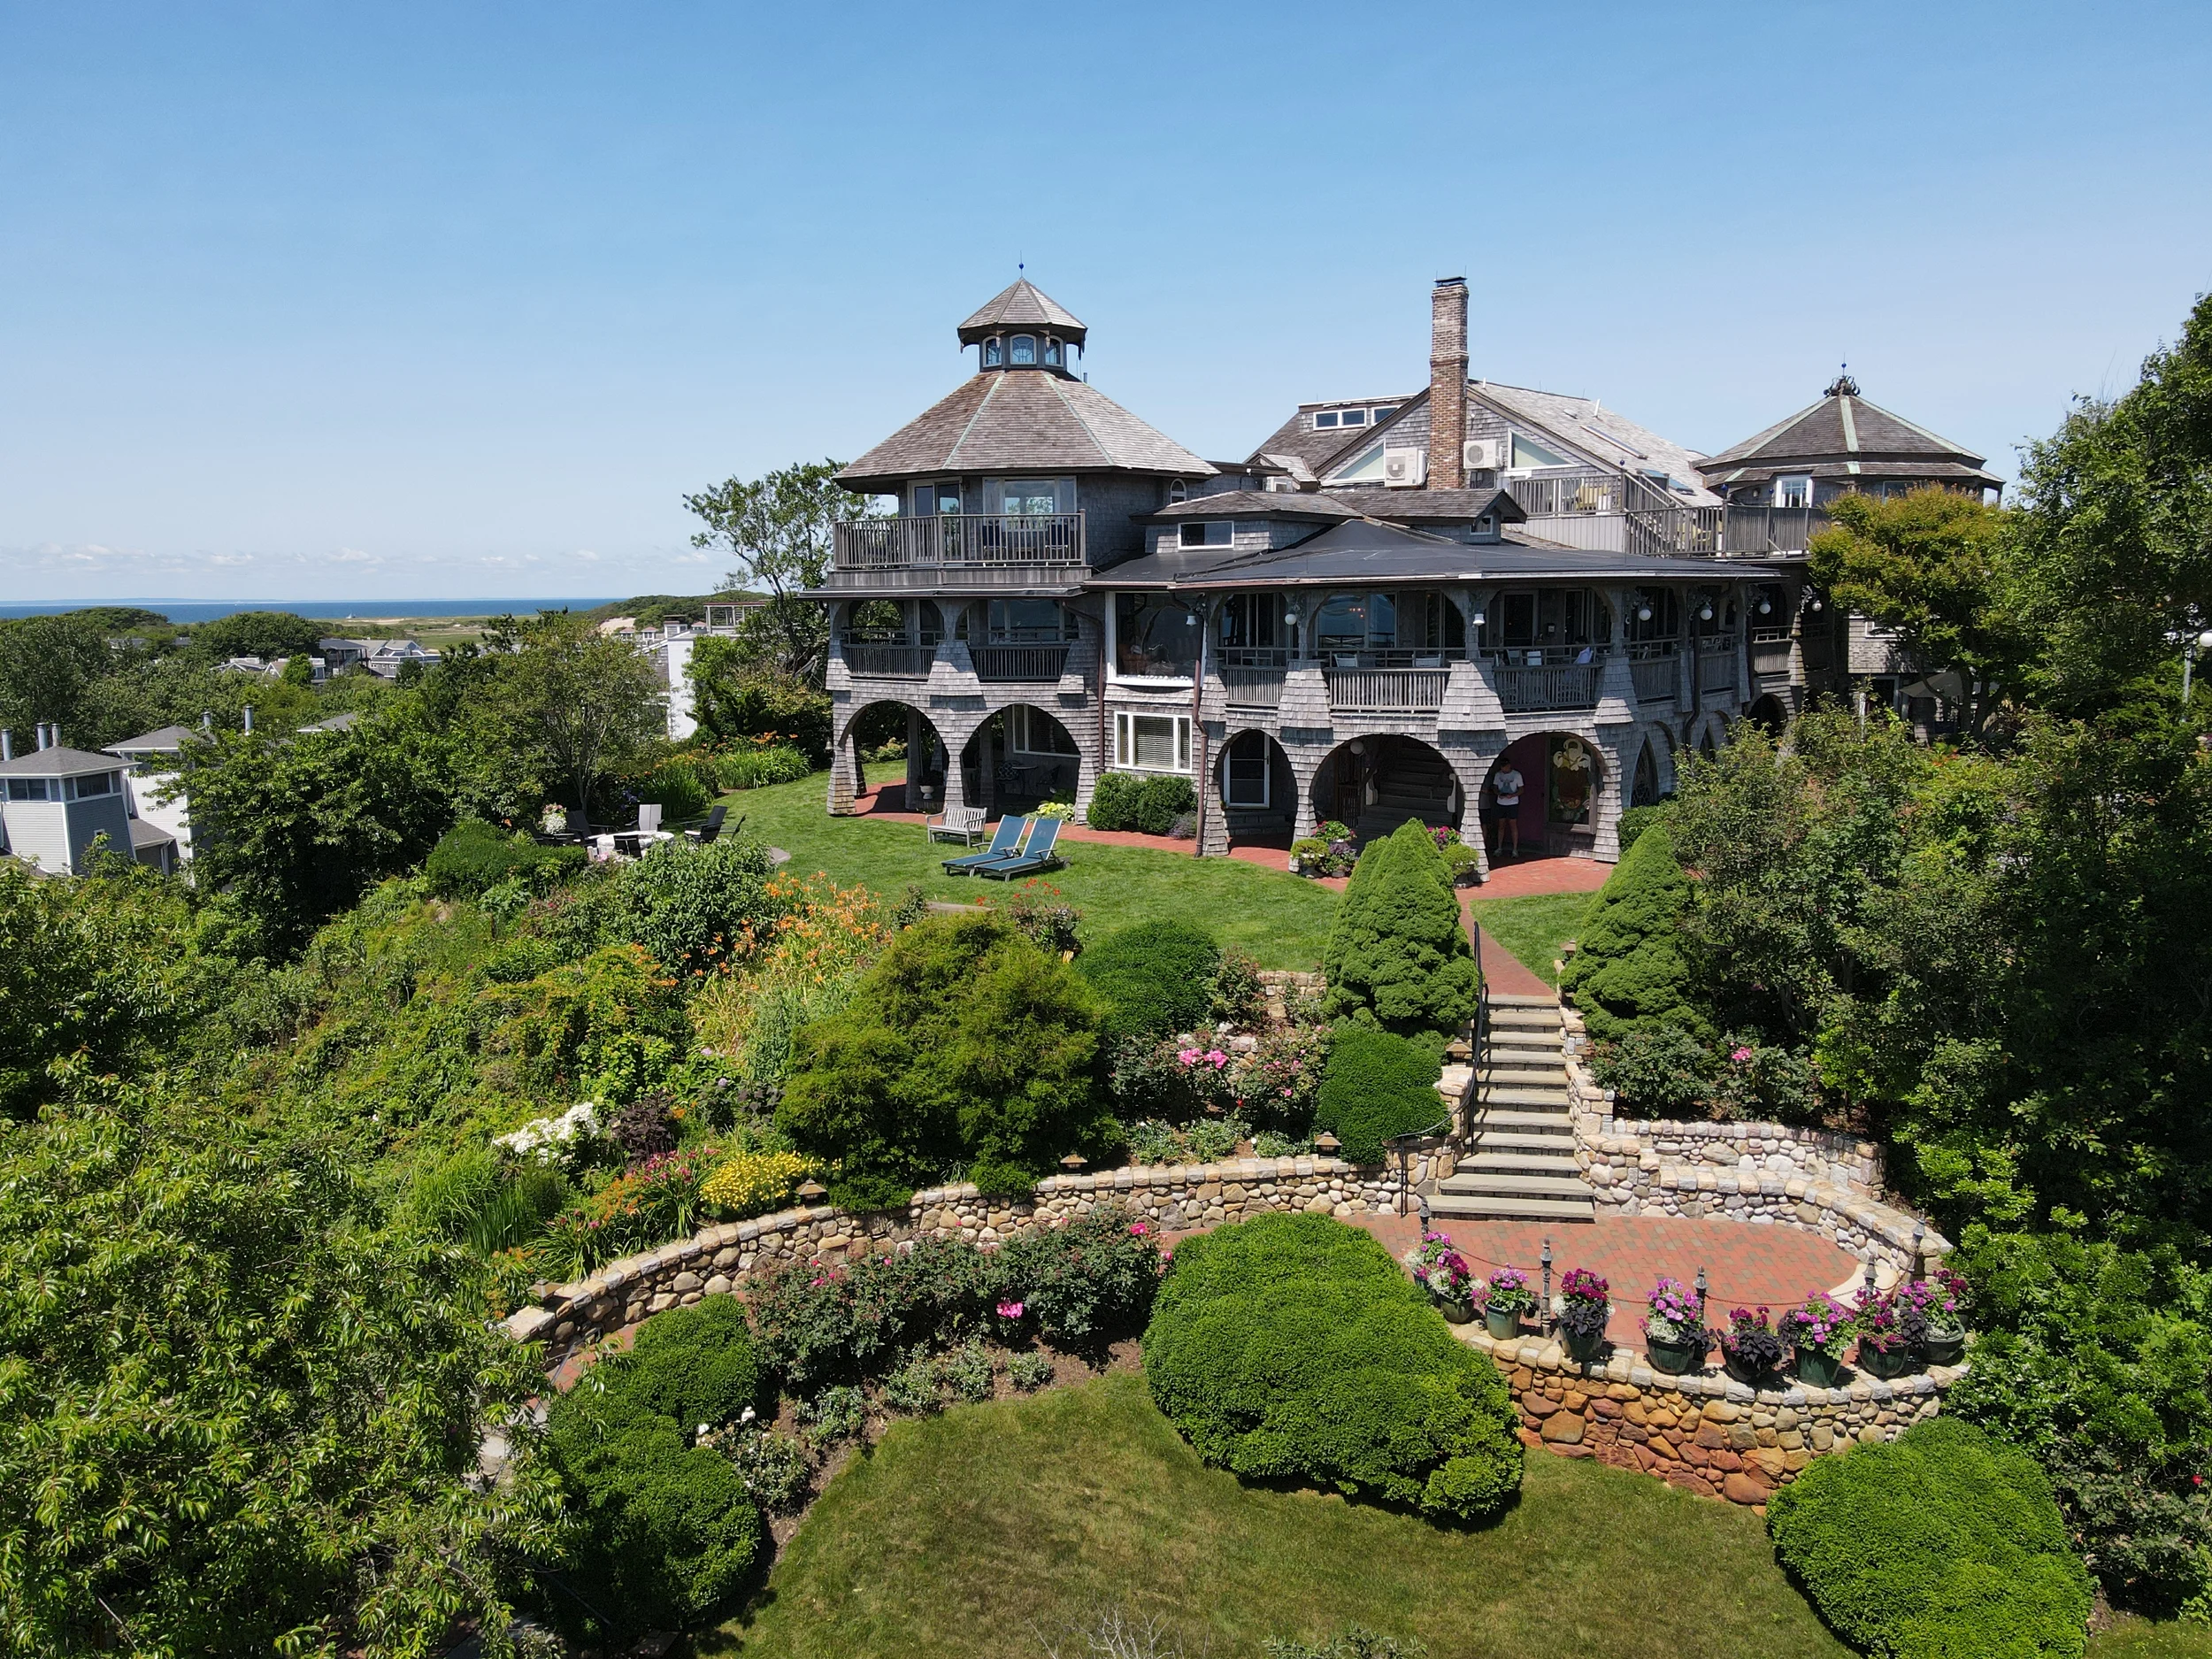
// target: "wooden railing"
[[1386, 690], [1771, 656], [1675, 532], [1771, 529], [1019, 662], [1526, 688], [1716, 669], [1252, 688], [958, 539], [1656, 677], [1581, 493], [1252, 656], [903, 661]]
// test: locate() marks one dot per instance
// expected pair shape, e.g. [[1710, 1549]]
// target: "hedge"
[[1157, 978], [1123, 801], [1941, 1544], [1398, 955], [1630, 970], [1377, 1085], [1293, 1347], [474, 856]]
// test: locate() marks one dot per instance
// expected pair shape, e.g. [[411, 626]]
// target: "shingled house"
[[1359, 620]]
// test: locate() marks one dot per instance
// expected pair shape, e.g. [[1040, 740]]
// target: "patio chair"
[[710, 828], [1003, 846], [1037, 855], [963, 824]]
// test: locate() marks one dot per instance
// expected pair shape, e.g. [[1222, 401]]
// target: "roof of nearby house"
[[145, 835], [56, 762], [1022, 305], [1845, 436], [1255, 503], [335, 722], [1416, 506], [1024, 420], [168, 740], [1296, 439]]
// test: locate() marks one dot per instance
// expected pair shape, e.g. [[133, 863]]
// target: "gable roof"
[[1022, 420], [1255, 503], [1844, 436], [1297, 439], [1022, 305], [56, 762], [168, 740], [1587, 425]]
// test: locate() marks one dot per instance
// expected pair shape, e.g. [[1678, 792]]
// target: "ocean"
[[343, 610]]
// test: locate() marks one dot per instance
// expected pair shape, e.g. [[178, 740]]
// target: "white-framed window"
[[994, 352], [1033, 732], [1205, 532], [937, 495], [1793, 492], [1325, 419], [1151, 742], [1247, 777], [1382, 412], [1178, 491], [1368, 467], [1028, 498], [93, 783], [1054, 356], [1527, 454], [1022, 348]]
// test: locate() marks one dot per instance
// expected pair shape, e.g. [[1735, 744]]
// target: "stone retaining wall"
[[1705, 1433], [716, 1261]]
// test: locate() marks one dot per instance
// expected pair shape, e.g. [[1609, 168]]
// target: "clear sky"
[[403, 301]]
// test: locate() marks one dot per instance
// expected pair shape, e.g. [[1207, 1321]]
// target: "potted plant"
[[1306, 857], [1885, 1348], [1443, 1271], [1507, 1301], [1582, 1307], [1937, 1319], [1749, 1346], [1817, 1330], [556, 820], [1675, 1336]]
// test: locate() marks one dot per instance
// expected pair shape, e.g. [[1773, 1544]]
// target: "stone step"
[[1534, 1123], [1525, 1017], [1472, 1207], [1527, 1040], [1503, 1184], [1517, 998], [1536, 1159], [1505, 1094], [1521, 1143]]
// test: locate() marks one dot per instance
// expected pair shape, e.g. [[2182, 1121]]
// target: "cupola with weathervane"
[[1022, 328]]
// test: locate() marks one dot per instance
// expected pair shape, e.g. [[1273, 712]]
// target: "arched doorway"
[[1256, 789], [1018, 758], [1768, 715], [1645, 789], [896, 744], [1374, 784], [1552, 784]]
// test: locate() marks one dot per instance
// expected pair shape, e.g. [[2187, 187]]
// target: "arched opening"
[[1540, 797], [1019, 759], [894, 745], [1644, 790], [1768, 715], [1256, 789], [1374, 784]]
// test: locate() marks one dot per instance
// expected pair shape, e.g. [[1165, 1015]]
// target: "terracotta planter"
[[1946, 1347], [1882, 1366], [1818, 1371], [1456, 1312], [1504, 1323], [1672, 1358]]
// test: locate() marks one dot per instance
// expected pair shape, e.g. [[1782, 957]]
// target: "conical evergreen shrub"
[[1631, 971], [1398, 955]]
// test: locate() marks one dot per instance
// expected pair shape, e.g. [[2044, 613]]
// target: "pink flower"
[[1139, 1229], [1740, 1055], [1009, 1310], [1216, 1057], [1188, 1056]]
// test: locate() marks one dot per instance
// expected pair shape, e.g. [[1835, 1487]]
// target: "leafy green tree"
[[1630, 969], [263, 634], [964, 1043], [734, 698], [234, 1415], [586, 705], [1398, 953], [48, 667], [777, 531]]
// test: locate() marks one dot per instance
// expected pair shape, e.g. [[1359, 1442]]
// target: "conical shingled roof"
[[1022, 420], [1845, 436], [1023, 305]]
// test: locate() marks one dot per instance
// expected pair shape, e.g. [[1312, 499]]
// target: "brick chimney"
[[1447, 384]]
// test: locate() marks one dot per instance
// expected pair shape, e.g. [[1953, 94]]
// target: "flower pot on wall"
[[1457, 1311], [1672, 1358], [1895, 1362], [1504, 1323], [1582, 1349], [1944, 1347], [1817, 1369]]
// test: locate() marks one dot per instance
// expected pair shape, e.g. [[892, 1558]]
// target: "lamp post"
[[1546, 1309]]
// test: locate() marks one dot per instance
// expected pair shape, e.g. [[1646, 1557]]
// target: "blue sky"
[[410, 301]]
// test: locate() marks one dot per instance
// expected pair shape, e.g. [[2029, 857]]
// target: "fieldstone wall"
[[716, 1261], [1703, 1433]]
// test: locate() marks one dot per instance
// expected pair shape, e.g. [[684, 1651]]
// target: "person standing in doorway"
[[1506, 784]]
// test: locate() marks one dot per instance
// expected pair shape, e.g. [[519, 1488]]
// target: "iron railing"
[[1019, 662], [958, 539], [1386, 690]]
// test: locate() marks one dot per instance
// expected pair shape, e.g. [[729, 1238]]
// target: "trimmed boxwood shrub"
[[1377, 1085], [474, 856], [1631, 971], [1157, 978], [1291, 1348], [1942, 1543], [1399, 954], [1123, 801], [1635, 821]]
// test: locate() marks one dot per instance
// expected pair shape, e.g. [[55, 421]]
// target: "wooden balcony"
[[1770, 652], [1386, 690], [874, 658], [967, 541], [1019, 662], [1252, 688], [1543, 686], [1656, 678], [1753, 530], [1716, 668]]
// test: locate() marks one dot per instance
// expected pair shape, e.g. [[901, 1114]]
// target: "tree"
[[734, 696], [263, 634], [777, 528], [1629, 970], [585, 704], [236, 1416], [1398, 954], [1930, 566], [48, 667]]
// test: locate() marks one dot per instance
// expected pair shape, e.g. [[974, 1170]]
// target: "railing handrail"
[[958, 539], [1386, 689], [1019, 662]]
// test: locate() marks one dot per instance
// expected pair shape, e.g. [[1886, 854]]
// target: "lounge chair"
[[712, 826], [963, 824], [1037, 855], [1003, 846]]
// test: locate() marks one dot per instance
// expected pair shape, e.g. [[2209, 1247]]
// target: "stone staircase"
[[1415, 783], [1520, 1163]]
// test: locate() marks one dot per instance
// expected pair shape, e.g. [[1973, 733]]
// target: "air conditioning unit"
[[1483, 454], [1405, 469]]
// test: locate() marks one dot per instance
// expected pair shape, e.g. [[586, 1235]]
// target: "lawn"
[[1533, 928], [1282, 919]]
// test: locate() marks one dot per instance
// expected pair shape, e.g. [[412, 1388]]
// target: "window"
[[1052, 358], [1383, 413], [1246, 776], [1356, 622], [1369, 466], [1553, 619], [1793, 492], [1205, 532], [941, 496], [1152, 742], [1020, 497], [1023, 350], [1253, 622], [1028, 622], [1529, 453], [96, 783], [1178, 493], [27, 788], [1352, 418], [994, 354], [1153, 635], [1324, 419], [1033, 732]]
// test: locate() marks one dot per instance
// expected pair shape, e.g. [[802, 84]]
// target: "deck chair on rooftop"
[[1004, 843], [1037, 855]]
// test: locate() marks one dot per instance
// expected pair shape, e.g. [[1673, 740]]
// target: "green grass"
[[2138, 1639], [966, 1534], [1533, 928], [1282, 919]]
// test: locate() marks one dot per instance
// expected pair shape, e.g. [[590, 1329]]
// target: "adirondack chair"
[[963, 824], [1037, 855], [1003, 844], [712, 827]]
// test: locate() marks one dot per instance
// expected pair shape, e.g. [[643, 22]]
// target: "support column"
[[916, 758], [844, 773], [1213, 822], [986, 769]]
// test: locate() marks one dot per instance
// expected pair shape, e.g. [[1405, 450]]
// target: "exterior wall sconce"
[[1643, 613], [1705, 614], [1073, 1162]]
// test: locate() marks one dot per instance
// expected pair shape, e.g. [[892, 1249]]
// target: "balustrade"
[[1386, 690], [1019, 662], [872, 658], [957, 539], [1530, 688]]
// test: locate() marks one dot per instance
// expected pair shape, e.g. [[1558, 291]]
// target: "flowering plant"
[[1880, 1323], [1820, 1325], [1936, 1303], [657, 1201], [1675, 1313], [568, 1140], [1583, 1304], [1441, 1270], [1510, 1291], [1749, 1340]]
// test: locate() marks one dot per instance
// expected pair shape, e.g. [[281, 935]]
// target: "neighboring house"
[[382, 657], [156, 762], [60, 802], [670, 648], [1359, 621]]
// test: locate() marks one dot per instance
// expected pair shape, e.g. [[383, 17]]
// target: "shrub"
[[966, 1371], [1028, 1371], [689, 906], [964, 1042], [1760, 1081], [1657, 1071], [682, 785], [1377, 1085], [746, 1184], [1042, 917], [757, 768], [773, 1467], [1292, 1346], [1629, 970], [829, 1322], [694, 1365], [1942, 1542], [1157, 978], [835, 1414], [473, 856], [1151, 1086], [1398, 954], [654, 1202], [1635, 821], [644, 1128], [1239, 996], [1279, 1082], [1082, 1284], [1461, 863], [913, 1388], [762, 705], [1123, 801]]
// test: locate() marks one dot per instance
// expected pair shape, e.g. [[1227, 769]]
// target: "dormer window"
[[1178, 491], [994, 353], [1351, 417], [1054, 357], [1023, 350]]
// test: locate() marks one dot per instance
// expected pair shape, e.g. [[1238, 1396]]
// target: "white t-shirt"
[[1507, 785]]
